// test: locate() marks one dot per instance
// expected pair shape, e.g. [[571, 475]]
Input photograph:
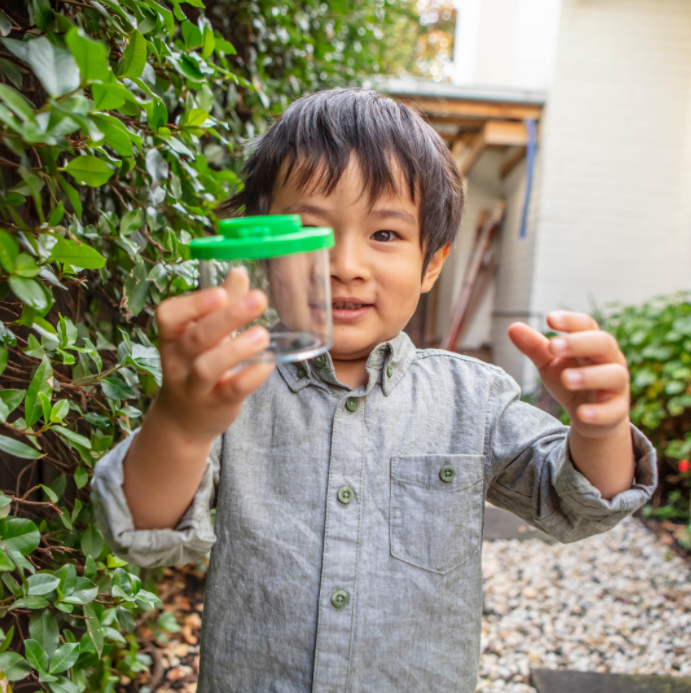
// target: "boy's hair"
[[316, 137]]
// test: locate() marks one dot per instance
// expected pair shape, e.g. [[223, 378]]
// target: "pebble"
[[619, 602]]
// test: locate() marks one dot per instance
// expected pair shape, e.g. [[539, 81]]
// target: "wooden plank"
[[506, 133], [474, 153], [512, 160], [472, 109]]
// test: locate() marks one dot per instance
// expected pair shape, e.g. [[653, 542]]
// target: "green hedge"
[[121, 128], [656, 340]]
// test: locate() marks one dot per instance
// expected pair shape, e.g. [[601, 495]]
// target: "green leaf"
[[8, 639], [130, 222], [6, 562], [29, 291], [45, 406], [85, 590], [114, 388], [92, 542], [18, 103], [12, 72], [91, 56], [41, 382], [64, 685], [56, 215], [167, 621], [41, 584], [72, 437], [136, 289], [71, 194], [18, 449], [9, 251], [4, 354], [94, 628], [110, 96], [59, 411], [91, 568], [30, 603], [81, 477], [64, 658], [125, 619], [5, 25], [89, 170], [134, 59], [115, 562], [44, 628], [54, 66], [14, 666], [36, 655], [116, 134], [12, 399], [19, 534], [70, 252], [191, 35]]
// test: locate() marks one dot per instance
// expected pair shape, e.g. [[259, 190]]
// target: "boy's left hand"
[[584, 370]]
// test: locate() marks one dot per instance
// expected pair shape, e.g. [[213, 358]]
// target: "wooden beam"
[[500, 133], [474, 153], [457, 150], [512, 160], [472, 109]]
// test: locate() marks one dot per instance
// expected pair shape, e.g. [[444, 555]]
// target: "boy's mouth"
[[348, 308]]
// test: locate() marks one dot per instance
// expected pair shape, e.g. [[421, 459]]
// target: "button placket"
[[338, 592]]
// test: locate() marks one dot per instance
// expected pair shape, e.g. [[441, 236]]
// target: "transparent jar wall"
[[299, 293]]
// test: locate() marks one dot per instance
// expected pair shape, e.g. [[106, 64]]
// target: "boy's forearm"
[[607, 463], [163, 469]]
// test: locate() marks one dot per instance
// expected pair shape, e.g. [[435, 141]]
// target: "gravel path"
[[618, 602]]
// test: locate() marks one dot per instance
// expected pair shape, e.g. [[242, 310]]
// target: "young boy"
[[350, 490]]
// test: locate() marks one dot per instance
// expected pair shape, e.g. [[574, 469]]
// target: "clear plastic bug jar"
[[290, 264]]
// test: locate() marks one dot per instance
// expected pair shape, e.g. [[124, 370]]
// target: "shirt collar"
[[387, 364]]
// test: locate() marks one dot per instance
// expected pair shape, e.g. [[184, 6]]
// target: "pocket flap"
[[425, 470]]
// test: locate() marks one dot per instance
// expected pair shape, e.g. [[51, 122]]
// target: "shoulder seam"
[[421, 354]]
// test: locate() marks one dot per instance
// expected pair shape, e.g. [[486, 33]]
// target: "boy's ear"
[[434, 268]]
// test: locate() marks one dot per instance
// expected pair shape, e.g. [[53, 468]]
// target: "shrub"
[[656, 340], [121, 128]]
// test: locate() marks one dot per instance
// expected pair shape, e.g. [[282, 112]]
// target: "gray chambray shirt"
[[347, 541]]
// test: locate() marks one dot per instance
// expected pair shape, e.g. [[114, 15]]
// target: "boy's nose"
[[348, 262]]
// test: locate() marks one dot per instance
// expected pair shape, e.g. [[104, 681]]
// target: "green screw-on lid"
[[261, 237]]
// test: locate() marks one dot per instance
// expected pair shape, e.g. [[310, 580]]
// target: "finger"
[[598, 346], [531, 343], [612, 377], [567, 321], [237, 283], [235, 387], [209, 331], [608, 413], [174, 314], [209, 366]]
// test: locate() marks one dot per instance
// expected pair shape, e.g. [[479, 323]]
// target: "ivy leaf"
[[64, 658], [54, 66], [89, 170], [29, 291], [70, 252], [41, 382], [91, 56], [18, 449], [134, 59], [44, 628], [14, 666]]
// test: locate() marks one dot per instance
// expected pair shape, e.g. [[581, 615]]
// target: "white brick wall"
[[614, 219]]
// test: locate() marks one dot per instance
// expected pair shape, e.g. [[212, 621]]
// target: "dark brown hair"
[[316, 137]]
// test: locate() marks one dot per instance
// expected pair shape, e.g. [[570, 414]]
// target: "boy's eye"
[[384, 236]]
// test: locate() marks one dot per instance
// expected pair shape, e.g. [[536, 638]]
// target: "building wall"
[[614, 220]]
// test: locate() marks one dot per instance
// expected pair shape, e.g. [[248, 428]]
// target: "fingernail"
[[216, 297], [557, 316], [573, 377], [559, 344], [253, 300], [258, 335]]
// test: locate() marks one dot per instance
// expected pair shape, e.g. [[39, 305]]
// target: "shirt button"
[[320, 361], [345, 495], [389, 371], [301, 372], [339, 599], [351, 404], [447, 473]]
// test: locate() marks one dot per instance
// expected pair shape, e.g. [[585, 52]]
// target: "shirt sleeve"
[[532, 475], [190, 540]]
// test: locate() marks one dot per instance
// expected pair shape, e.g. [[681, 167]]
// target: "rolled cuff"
[[191, 539], [581, 500]]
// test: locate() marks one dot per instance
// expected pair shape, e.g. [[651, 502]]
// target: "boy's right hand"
[[201, 395]]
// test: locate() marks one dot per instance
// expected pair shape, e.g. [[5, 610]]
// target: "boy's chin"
[[349, 345]]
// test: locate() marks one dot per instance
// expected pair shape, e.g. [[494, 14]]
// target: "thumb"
[[531, 343]]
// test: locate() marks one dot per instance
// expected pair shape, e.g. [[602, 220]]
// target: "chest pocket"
[[436, 509]]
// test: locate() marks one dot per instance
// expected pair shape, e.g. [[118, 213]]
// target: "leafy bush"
[[121, 125], [656, 340]]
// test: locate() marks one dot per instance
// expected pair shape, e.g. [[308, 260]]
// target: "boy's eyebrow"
[[381, 213]]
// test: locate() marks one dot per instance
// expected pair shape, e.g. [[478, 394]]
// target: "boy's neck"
[[351, 372]]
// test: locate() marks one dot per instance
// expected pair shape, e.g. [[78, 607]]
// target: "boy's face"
[[376, 264]]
